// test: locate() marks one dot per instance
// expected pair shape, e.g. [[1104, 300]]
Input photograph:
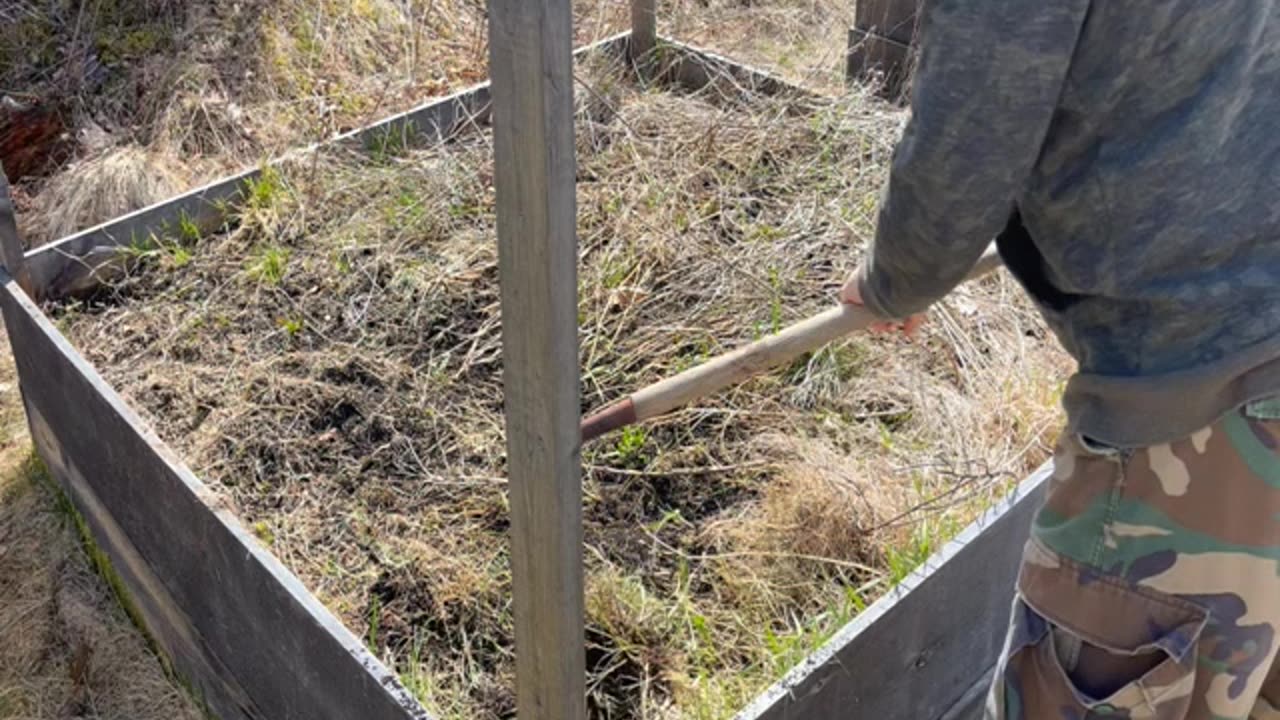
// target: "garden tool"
[[741, 364]]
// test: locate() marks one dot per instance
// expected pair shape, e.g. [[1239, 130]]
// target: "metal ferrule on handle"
[[743, 363]]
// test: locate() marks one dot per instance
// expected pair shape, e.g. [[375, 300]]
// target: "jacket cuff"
[[873, 298]]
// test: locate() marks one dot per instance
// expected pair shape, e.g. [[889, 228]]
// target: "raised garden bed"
[[328, 363]]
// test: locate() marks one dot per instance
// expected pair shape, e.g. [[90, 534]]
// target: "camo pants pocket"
[[1063, 607], [1150, 585]]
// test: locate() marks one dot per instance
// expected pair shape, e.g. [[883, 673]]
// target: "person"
[[1125, 157]]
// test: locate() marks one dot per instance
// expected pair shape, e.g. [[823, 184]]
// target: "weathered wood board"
[[871, 54], [882, 43], [926, 649], [893, 19], [232, 621], [531, 67], [11, 252]]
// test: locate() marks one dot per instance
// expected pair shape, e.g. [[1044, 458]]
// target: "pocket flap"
[[1107, 612]]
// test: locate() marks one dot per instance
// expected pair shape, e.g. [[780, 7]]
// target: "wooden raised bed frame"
[[254, 643]]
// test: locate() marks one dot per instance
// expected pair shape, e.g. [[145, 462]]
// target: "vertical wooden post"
[[531, 67], [11, 250], [644, 28], [883, 40]]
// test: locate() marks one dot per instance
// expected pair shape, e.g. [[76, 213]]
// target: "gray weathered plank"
[[531, 68], [921, 651], [972, 705], [871, 54], [235, 623], [894, 19], [11, 252], [882, 43], [80, 262]]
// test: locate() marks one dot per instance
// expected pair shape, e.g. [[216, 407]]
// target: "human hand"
[[851, 294]]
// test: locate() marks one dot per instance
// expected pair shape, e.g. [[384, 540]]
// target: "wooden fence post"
[[531, 67], [11, 251], [883, 40], [644, 28]]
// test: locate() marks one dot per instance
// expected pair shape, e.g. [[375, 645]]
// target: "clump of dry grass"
[[105, 186], [331, 364]]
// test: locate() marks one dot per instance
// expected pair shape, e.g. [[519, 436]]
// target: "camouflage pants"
[[1150, 587]]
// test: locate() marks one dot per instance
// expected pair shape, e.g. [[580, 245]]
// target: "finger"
[[849, 294], [912, 325]]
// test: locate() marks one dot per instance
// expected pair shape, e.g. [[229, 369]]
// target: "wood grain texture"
[[644, 28], [81, 262], [531, 68], [236, 624], [894, 19], [924, 650], [11, 251], [872, 55]]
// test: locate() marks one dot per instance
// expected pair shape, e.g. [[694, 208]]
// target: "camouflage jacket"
[[1128, 156]]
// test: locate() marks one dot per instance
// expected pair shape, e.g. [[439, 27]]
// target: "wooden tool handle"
[[743, 363]]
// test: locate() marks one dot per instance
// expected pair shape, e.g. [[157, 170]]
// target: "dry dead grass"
[[112, 183], [67, 650], [205, 88], [803, 41], [331, 364], [209, 87]]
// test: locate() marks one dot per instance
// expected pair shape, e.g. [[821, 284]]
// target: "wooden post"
[[883, 40], [644, 28], [531, 68], [11, 251]]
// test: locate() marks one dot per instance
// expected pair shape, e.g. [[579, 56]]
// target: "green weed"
[[291, 325], [414, 678], [153, 247], [885, 435], [180, 256], [464, 210], [264, 191], [630, 447], [928, 536], [375, 619], [406, 209], [263, 531], [141, 248], [188, 230], [775, 303], [765, 233], [269, 266], [391, 143], [615, 273]]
